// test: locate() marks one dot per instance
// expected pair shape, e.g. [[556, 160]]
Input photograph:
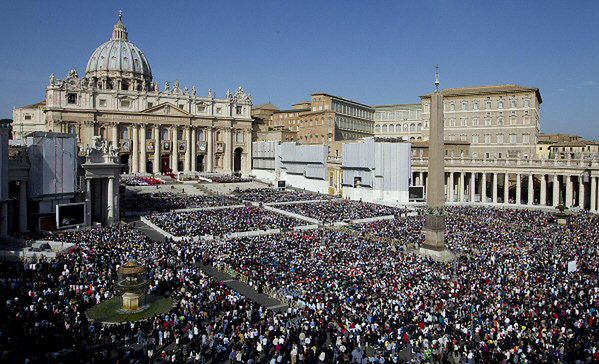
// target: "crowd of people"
[[140, 181], [270, 195], [510, 296], [227, 178], [220, 222], [339, 210], [167, 201]]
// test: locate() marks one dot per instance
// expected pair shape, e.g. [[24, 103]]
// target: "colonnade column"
[[555, 201], [506, 188], [194, 150], [462, 186], [210, 151], [174, 150], [142, 148], [518, 189], [421, 174], [450, 187], [568, 202], [593, 193], [483, 189], [156, 163], [114, 133], [472, 186], [110, 201], [543, 199], [531, 190], [135, 149], [22, 206], [495, 182], [187, 163], [581, 192]]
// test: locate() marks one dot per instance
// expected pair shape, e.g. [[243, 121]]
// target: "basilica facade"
[[154, 129]]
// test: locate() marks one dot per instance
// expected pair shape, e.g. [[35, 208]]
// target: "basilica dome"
[[119, 57]]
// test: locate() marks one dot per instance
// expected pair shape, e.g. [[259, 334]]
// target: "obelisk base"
[[434, 239]]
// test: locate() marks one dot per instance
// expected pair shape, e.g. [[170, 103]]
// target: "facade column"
[[568, 202], [22, 206], [142, 149], [506, 188], [518, 189], [114, 133], [88, 201], [134, 150], [194, 150], [472, 186], [483, 188], [555, 201], [187, 161], [543, 199], [450, 189], [156, 163], [495, 182], [110, 201], [531, 190], [174, 150], [228, 151], [210, 150], [581, 194], [593, 193], [462, 193]]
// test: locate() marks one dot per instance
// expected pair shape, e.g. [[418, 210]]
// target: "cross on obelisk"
[[434, 227]]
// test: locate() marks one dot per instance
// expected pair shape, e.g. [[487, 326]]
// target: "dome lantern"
[[120, 30]]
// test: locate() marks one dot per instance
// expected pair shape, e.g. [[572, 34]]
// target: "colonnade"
[[532, 188]]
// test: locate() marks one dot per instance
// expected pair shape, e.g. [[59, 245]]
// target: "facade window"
[[513, 139], [500, 121], [475, 139], [526, 103], [452, 107], [464, 105], [500, 105], [150, 104], [525, 138], [499, 138], [475, 121], [72, 98], [475, 106], [513, 104], [488, 105], [487, 138], [239, 137], [220, 109], [72, 129], [487, 155], [102, 102], [27, 117], [238, 110], [125, 103]]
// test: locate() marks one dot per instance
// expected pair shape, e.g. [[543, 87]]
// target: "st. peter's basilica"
[[154, 129]]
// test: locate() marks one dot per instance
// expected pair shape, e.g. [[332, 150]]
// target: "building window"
[[201, 108], [125, 103], [452, 107], [488, 104], [487, 155], [102, 102], [475, 122], [238, 110], [525, 138], [181, 106], [513, 103], [475, 139], [464, 105], [500, 105], [527, 103], [513, 139], [499, 138], [72, 98], [219, 110], [150, 104], [27, 117], [487, 138], [475, 106], [72, 129]]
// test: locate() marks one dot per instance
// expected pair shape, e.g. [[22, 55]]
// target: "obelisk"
[[434, 227]]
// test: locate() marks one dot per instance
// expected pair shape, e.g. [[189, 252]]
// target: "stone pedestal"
[[434, 238], [132, 301]]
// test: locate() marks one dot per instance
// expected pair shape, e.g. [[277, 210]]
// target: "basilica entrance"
[[164, 164], [200, 163], [149, 167], [124, 160], [237, 160]]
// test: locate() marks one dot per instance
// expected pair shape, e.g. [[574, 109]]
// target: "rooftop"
[[482, 90]]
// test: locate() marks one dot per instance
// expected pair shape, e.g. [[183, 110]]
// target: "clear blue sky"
[[375, 52]]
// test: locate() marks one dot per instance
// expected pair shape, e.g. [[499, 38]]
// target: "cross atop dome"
[[120, 30]]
